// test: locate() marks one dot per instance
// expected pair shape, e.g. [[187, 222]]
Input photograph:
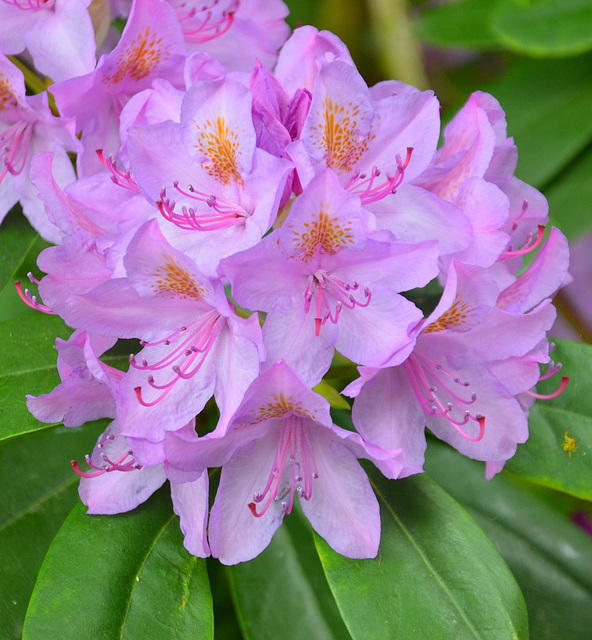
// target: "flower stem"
[[399, 50]]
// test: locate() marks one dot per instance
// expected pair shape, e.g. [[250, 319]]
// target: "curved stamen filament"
[[294, 446], [341, 294], [513, 223], [30, 5], [431, 403], [14, 148], [366, 188], [222, 213], [201, 25], [185, 359], [125, 463], [549, 396], [120, 178], [527, 247], [31, 301]]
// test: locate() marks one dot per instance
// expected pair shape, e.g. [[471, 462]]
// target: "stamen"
[[120, 178], [30, 5], [14, 148], [294, 446], [223, 213], [125, 463], [330, 291], [365, 188], [31, 301], [418, 368], [527, 247], [189, 348], [201, 25], [539, 396]]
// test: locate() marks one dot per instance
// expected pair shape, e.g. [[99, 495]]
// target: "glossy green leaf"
[[283, 592], [436, 576], [548, 105], [545, 27], [466, 23], [542, 459], [38, 489], [570, 197], [125, 576], [549, 556], [18, 240], [21, 245], [28, 365]]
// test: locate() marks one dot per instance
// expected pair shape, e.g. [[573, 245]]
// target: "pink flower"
[[281, 443]]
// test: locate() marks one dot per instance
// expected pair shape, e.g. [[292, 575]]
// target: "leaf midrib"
[[426, 561], [138, 572]]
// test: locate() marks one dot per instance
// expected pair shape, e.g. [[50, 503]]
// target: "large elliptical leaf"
[[38, 489], [283, 592], [466, 23], [545, 27], [125, 576], [542, 459], [548, 105], [550, 557], [27, 365], [436, 576]]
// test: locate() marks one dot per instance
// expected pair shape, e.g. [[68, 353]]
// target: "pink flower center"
[[189, 347], [295, 457], [439, 394], [332, 294]]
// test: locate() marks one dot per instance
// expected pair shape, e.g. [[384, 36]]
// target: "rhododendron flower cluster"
[[249, 211]]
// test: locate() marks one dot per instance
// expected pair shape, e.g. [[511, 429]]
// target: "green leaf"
[[283, 592], [542, 459], [548, 105], [20, 247], [18, 239], [27, 366], [125, 576], [459, 24], [436, 576], [549, 556], [38, 491], [545, 27], [568, 197]]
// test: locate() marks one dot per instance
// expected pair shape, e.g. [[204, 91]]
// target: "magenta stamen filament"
[[527, 247], [198, 29], [294, 445], [364, 186], [125, 462], [14, 148], [120, 178], [221, 214], [417, 367], [539, 396], [31, 301], [341, 292], [30, 5], [190, 347]]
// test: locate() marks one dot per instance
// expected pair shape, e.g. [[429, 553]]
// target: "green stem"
[[33, 81], [399, 50]]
